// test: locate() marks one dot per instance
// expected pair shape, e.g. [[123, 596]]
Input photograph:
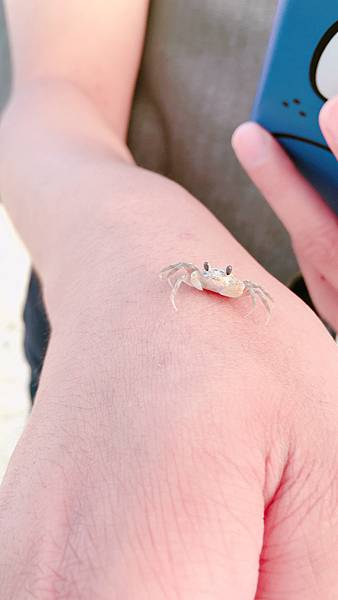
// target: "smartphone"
[[299, 75]]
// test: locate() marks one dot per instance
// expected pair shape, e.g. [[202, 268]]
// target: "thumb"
[[313, 227], [328, 120]]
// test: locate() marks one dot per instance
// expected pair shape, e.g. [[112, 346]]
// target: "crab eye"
[[228, 269], [206, 266]]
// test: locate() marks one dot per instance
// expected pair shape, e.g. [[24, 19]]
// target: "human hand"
[[194, 458], [312, 225]]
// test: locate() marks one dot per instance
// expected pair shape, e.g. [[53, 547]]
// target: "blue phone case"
[[300, 73]]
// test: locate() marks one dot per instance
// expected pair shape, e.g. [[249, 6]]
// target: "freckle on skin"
[[186, 235]]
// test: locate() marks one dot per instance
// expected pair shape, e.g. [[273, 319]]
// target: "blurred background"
[[14, 403], [14, 267]]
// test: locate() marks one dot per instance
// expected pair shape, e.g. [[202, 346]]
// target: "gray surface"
[[198, 79], [197, 82], [4, 60]]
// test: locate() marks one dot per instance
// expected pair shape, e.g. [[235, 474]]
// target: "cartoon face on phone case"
[[300, 74]]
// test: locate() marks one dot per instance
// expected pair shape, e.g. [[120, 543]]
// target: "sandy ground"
[[14, 402], [14, 265]]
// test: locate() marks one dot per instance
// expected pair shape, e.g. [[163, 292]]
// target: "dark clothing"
[[37, 332]]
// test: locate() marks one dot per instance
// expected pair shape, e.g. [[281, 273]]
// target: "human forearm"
[[86, 211], [67, 184], [157, 437], [122, 396], [97, 46], [51, 134]]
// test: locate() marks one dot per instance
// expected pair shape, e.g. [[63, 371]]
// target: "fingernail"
[[251, 144], [328, 118]]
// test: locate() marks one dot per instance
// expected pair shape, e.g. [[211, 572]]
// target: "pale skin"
[[184, 455]]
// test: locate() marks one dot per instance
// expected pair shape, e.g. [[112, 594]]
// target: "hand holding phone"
[[311, 141], [300, 74]]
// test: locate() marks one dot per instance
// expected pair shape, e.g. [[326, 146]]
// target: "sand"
[[14, 399]]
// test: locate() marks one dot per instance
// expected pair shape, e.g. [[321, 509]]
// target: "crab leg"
[[168, 271], [263, 299], [253, 299], [259, 287], [250, 284], [175, 288]]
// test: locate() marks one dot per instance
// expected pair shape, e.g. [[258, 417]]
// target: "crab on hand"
[[219, 280]]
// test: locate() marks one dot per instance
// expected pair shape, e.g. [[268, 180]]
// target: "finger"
[[328, 120], [323, 294], [311, 224]]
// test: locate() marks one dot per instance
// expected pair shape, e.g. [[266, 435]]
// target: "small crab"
[[219, 280]]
